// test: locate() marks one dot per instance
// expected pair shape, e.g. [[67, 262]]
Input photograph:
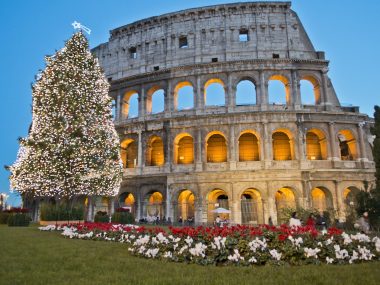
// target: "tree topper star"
[[77, 25]]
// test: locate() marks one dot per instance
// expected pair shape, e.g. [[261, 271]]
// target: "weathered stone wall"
[[213, 32]]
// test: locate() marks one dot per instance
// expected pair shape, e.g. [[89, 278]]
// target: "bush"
[[19, 220], [4, 217], [101, 217], [61, 212], [123, 217]]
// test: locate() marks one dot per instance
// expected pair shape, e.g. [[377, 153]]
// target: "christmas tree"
[[72, 147]]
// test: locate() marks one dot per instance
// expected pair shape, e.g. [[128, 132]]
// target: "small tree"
[[72, 147], [370, 200]]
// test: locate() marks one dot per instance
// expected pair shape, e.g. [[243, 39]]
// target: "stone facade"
[[326, 146]]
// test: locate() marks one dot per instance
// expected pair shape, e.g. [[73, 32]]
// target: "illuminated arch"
[[130, 104], [321, 199], [245, 92], [216, 198], [154, 204], [214, 92], [273, 92], [282, 145], [310, 90], [155, 100], [184, 96], [347, 145], [248, 147], [251, 207], [285, 199], [216, 147], [155, 152], [185, 205], [316, 145], [129, 153], [184, 149], [127, 200]]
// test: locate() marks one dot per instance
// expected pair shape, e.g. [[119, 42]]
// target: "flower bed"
[[239, 245]]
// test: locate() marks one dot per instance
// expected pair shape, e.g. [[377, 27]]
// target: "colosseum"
[[201, 127]]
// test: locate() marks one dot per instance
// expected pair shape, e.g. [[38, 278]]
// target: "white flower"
[[198, 250], [329, 260], [152, 252], [252, 260], [256, 244], [235, 257], [276, 255], [189, 240], [296, 242], [183, 249], [168, 254], [218, 243], [310, 252], [376, 240]]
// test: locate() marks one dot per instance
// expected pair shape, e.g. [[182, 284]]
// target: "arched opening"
[[214, 93], [350, 203], [347, 145], [155, 100], [282, 148], [217, 199], [127, 201], [321, 199], [154, 205], [184, 149], [129, 153], [310, 91], [155, 152], [248, 147], [216, 148], [316, 145], [184, 96], [251, 207], [130, 106], [278, 90], [285, 202], [245, 93], [185, 207]]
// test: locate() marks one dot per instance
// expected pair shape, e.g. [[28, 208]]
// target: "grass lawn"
[[28, 256]]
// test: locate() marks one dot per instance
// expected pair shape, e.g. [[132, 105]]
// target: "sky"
[[348, 32]]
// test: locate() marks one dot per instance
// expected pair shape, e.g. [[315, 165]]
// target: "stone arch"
[[127, 200], [282, 145], [347, 145], [246, 92], [183, 149], [184, 206], [129, 153], [310, 94], [316, 145], [130, 104], [249, 147], [214, 92], [184, 96], [285, 198], [155, 154], [321, 199], [155, 100], [252, 211], [282, 79], [154, 204], [216, 147], [217, 198]]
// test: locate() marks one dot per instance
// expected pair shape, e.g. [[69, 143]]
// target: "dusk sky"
[[348, 32]]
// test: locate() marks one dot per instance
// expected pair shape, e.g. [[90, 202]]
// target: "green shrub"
[[61, 212], [4, 217], [101, 217], [123, 218], [19, 220]]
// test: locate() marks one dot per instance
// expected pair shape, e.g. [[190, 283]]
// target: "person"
[[270, 221], [362, 223], [321, 222], [294, 221], [311, 220], [217, 221], [180, 220]]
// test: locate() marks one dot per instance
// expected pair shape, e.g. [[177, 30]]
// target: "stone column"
[[140, 157], [333, 142], [263, 91], [200, 102], [168, 210], [324, 93], [232, 147], [230, 94], [295, 90], [266, 145], [199, 154], [112, 205], [339, 201], [272, 210], [301, 141], [142, 107], [169, 98], [363, 155]]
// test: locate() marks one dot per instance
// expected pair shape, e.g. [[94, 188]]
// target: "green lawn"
[[28, 256]]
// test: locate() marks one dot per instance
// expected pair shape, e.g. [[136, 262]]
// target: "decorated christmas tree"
[[72, 147]]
